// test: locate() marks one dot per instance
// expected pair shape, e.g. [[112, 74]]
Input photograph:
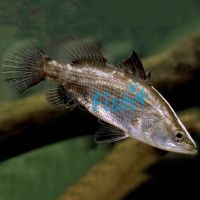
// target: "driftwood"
[[29, 122], [176, 66], [123, 170]]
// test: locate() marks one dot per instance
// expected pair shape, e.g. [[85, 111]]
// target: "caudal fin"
[[22, 66]]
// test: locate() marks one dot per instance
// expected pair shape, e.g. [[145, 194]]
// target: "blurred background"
[[43, 156]]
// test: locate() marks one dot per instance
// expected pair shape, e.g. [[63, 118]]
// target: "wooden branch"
[[116, 174], [30, 123], [176, 66], [123, 170], [22, 112]]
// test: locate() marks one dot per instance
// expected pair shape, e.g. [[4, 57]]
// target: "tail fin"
[[22, 66]]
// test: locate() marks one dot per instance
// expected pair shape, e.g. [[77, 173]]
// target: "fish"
[[121, 95]]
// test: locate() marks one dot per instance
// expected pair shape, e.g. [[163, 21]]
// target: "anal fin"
[[108, 133]]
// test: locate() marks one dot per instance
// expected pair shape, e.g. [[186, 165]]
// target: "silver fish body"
[[154, 123], [109, 92]]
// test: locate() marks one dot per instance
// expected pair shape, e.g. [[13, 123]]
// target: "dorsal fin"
[[148, 76], [134, 66], [78, 53]]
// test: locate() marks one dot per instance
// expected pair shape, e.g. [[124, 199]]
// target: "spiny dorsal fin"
[[78, 53], [134, 66], [148, 76], [59, 98]]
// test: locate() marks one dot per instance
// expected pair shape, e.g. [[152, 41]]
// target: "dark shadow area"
[[184, 95], [174, 178], [69, 125]]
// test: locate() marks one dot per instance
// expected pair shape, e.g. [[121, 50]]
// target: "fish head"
[[171, 135], [162, 128]]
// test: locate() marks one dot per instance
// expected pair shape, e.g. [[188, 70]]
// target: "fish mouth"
[[192, 150], [192, 147]]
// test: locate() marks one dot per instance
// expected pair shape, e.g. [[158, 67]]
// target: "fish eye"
[[179, 136]]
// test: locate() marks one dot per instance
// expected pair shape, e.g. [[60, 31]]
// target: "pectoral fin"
[[59, 98]]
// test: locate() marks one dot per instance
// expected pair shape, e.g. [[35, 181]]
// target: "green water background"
[[119, 26]]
